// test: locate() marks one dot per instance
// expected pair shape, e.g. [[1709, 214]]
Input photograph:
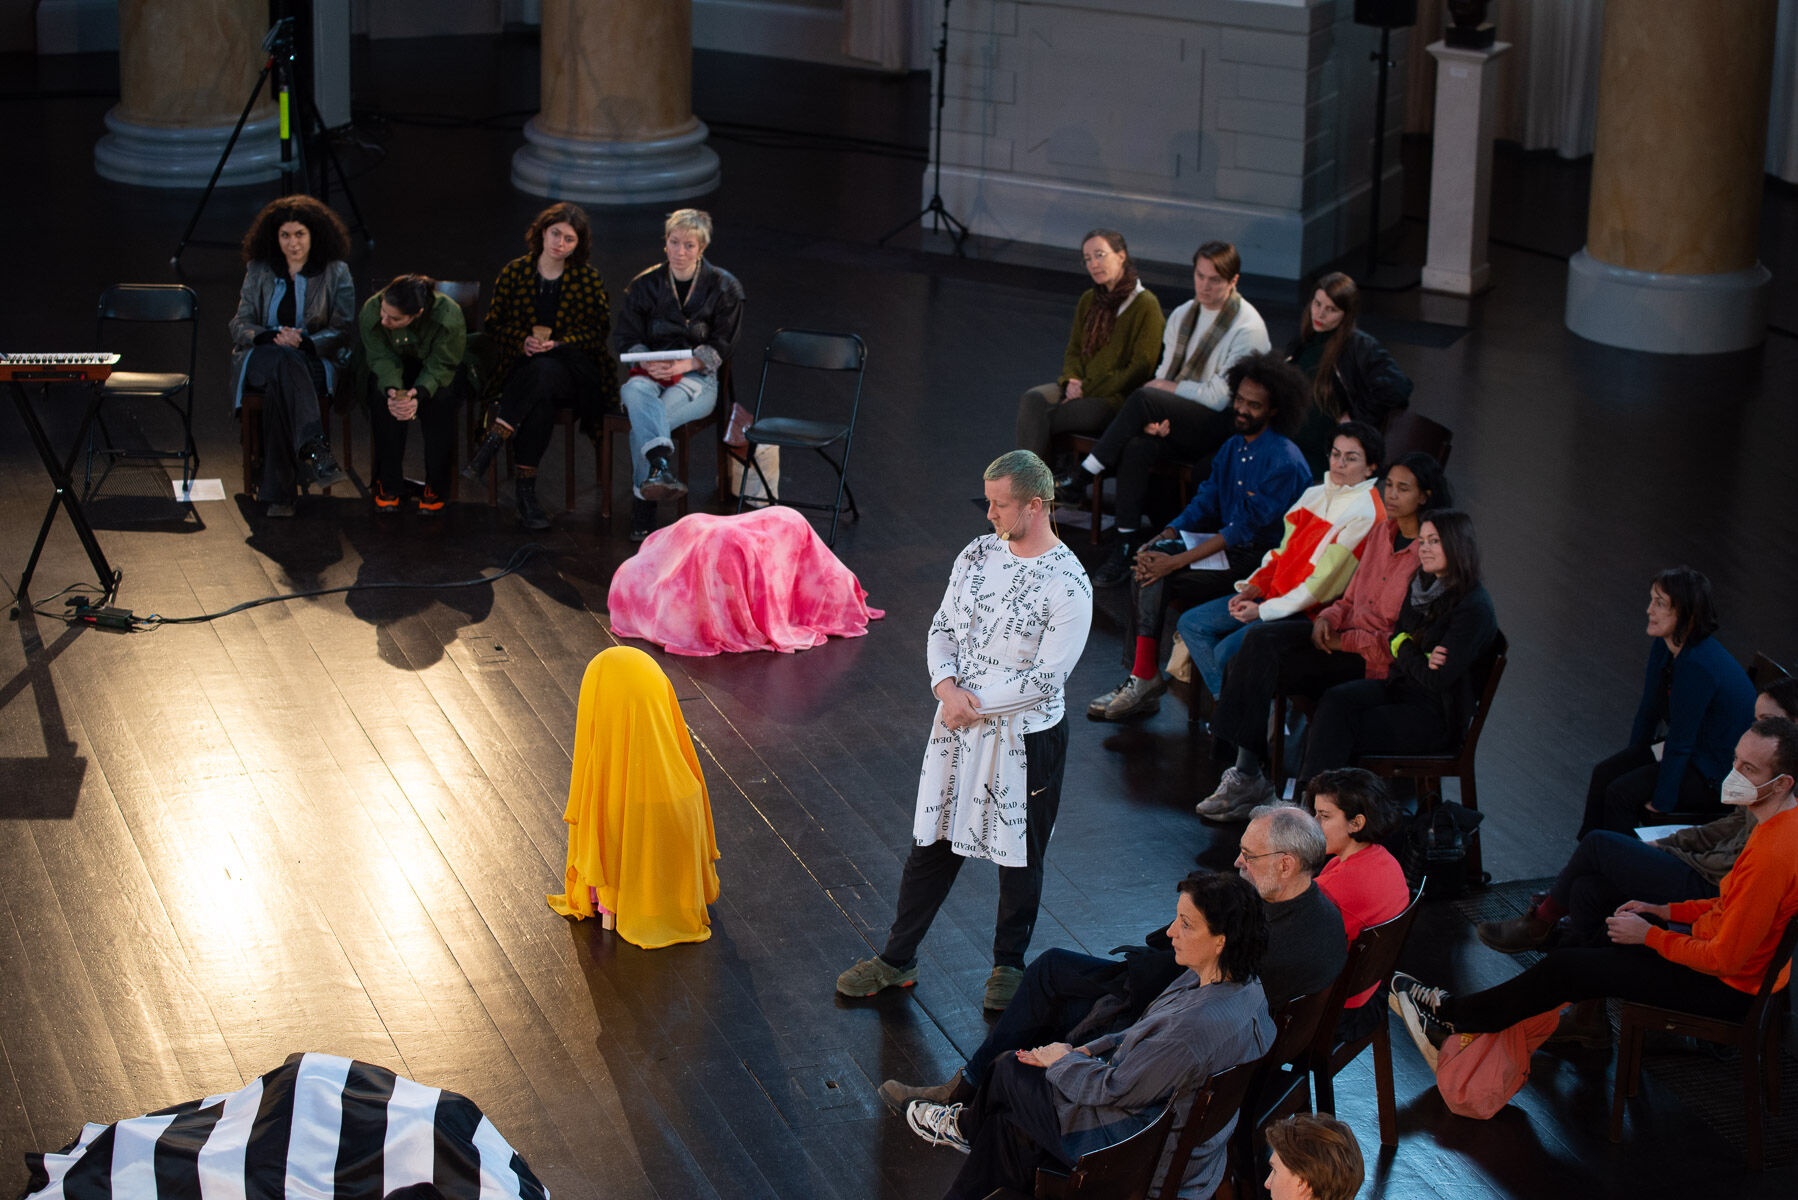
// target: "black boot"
[[485, 453], [1117, 566], [1071, 488], [530, 513], [661, 484], [317, 466], [643, 519]]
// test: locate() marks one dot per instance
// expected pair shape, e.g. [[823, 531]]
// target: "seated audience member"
[[550, 320], [1715, 970], [1046, 1106], [413, 339], [1112, 349], [290, 336], [1694, 695], [1425, 702], [1310, 567], [1255, 476], [1609, 867], [1362, 878], [1350, 639], [684, 303], [1313, 1157], [1068, 996], [1352, 377], [1184, 410]]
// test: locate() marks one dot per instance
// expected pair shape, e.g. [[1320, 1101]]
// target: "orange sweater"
[[1734, 935]]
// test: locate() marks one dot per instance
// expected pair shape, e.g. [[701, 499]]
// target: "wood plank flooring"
[[329, 823]]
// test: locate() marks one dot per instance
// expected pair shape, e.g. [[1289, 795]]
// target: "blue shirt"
[[1708, 707], [1250, 487]]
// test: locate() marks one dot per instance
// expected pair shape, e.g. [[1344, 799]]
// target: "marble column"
[[617, 123], [1461, 168], [186, 68], [1671, 261]]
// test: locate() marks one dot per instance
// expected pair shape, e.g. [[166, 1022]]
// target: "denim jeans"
[[1212, 637], [657, 411]]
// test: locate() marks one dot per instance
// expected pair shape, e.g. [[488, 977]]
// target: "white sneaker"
[[1137, 698], [938, 1124], [1236, 791]]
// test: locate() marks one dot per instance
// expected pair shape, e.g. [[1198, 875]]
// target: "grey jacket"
[[330, 318]]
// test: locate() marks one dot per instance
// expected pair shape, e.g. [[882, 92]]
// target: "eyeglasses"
[[1247, 857]]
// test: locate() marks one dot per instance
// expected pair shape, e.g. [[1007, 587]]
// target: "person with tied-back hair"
[[1349, 639], [1695, 700], [1352, 376], [686, 303], [413, 338], [1012, 624], [1184, 410], [290, 337], [1112, 349], [1427, 698], [551, 321], [1046, 1106]]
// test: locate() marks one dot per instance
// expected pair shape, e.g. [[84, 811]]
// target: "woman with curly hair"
[[551, 319], [291, 335], [1352, 376]]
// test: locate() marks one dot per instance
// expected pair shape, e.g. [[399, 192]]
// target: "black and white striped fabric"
[[317, 1128]]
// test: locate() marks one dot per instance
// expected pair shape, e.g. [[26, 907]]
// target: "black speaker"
[[1386, 14]]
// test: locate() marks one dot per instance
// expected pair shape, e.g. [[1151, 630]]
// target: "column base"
[[149, 156], [1457, 283], [1667, 314], [597, 172]]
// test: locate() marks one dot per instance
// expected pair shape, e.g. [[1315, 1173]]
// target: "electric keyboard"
[[91, 367]]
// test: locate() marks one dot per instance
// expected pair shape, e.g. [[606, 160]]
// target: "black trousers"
[[1370, 718], [290, 381], [930, 871], [1609, 868], [1012, 1129], [1622, 785], [1181, 590], [1563, 976], [437, 426], [1057, 992], [1195, 433], [1276, 657], [536, 388]]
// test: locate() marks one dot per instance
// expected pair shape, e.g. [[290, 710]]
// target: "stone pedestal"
[[186, 68], [617, 124], [1670, 262], [1461, 167]]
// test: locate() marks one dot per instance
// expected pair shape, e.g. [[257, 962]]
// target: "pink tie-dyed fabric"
[[761, 580]]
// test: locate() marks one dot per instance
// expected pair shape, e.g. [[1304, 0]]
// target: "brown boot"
[[1516, 935], [897, 1095], [1585, 1024]]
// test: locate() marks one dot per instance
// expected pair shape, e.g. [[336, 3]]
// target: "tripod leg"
[[317, 124], [212, 184]]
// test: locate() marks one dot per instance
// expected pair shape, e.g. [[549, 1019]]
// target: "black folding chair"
[[145, 303], [809, 350]]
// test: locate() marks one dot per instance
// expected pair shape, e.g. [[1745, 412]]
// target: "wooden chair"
[[1281, 1084], [1431, 769], [1184, 474], [616, 424], [1214, 1106], [1371, 958], [1764, 671], [1756, 1037], [1408, 430]]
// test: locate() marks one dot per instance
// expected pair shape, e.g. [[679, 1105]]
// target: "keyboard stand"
[[62, 477]]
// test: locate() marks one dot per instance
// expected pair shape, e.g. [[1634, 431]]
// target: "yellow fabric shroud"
[[639, 819]]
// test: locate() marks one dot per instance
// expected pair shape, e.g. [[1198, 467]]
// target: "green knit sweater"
[[1124, 363]]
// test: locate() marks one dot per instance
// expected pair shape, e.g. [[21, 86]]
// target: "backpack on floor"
[[1436, 846], [1478, 1073]]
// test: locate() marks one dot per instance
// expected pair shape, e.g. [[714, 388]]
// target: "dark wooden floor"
[[329, 824]]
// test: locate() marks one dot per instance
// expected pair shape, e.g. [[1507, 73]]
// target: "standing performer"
[[1010, 628]]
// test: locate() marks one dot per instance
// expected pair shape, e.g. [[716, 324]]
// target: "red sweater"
[[1367, 612], [1734, 935], [1369, 887]]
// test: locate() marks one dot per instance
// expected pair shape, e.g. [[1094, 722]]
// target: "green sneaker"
[[872, 975], [1001, 986]]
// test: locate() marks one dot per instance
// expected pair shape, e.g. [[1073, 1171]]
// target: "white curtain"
[[1548, 83]]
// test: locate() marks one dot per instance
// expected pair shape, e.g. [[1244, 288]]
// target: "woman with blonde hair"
[[640, 842]]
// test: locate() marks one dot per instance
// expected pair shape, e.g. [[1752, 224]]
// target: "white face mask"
[[1738, 789]]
